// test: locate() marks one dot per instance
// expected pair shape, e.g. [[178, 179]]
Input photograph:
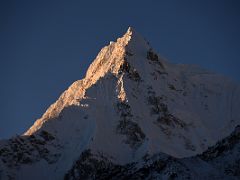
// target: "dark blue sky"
[[47, 45]]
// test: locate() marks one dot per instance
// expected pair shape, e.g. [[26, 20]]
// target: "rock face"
[[135, 115]]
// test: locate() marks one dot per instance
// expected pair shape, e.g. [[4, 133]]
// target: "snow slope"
[[132, 102], [218, 162]]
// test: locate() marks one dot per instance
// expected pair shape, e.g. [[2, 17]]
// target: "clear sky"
[[47, 45]]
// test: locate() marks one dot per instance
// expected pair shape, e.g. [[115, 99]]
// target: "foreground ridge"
[[218, 162]]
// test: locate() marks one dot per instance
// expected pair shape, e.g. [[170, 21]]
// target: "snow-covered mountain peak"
[[129, 72], [131, 105], [111, 59], [130, 30]]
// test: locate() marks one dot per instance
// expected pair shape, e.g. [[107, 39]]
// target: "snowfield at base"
[[133, 103]]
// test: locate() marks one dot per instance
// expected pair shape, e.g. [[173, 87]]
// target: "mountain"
[[134, 115]]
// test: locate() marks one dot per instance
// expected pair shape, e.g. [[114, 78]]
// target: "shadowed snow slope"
[[132, 103]]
